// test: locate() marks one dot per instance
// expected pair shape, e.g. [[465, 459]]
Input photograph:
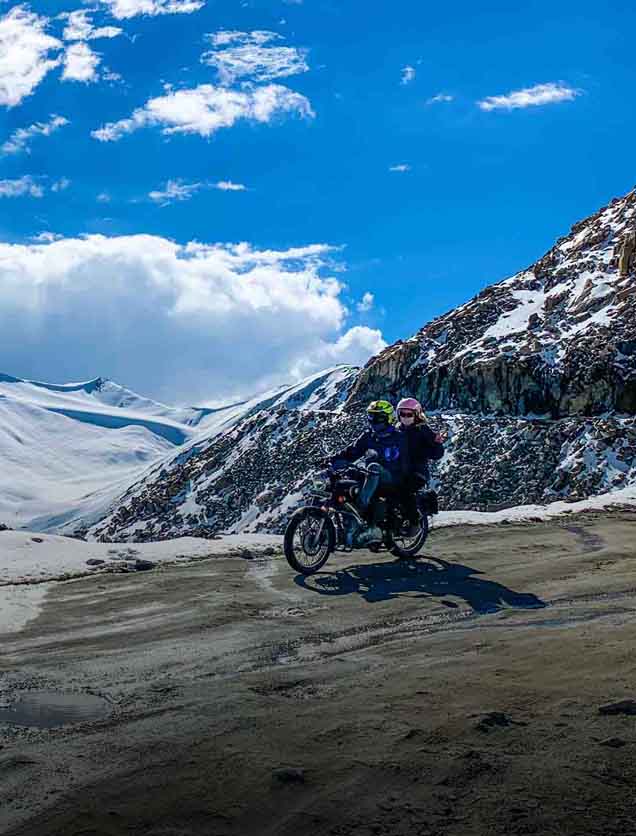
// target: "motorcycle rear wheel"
[[305, 549], [405, 547]]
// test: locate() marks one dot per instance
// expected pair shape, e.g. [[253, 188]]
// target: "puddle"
[[49, 709]]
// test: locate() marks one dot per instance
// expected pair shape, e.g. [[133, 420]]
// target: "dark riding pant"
[[377, 477], [408, 496]]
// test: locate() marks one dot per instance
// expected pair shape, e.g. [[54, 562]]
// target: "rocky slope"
[[263, 451], [251, 478], [534, 379]]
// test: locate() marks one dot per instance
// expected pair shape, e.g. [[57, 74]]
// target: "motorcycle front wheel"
[[409, 547], [309, 540]]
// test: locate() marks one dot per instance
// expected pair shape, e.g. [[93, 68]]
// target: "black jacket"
[[420, 447], [402, 452], [390, 447]]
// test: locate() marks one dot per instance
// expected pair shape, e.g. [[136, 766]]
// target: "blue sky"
[[381, 138]]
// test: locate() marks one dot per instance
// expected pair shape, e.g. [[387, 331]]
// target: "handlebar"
[[336, 471]]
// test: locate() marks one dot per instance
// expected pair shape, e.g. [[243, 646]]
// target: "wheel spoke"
[[307, 551]]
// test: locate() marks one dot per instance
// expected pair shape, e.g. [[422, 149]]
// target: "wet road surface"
[[457, 694]]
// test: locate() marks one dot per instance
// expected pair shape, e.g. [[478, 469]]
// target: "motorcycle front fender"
[[316, 510]]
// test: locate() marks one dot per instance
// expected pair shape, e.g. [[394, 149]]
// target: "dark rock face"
[[501, 462], [534, 379], [558, 339]]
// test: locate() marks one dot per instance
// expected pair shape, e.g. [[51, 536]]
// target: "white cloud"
[[441, 97], [206, 109], [229, 186], [28, 52], [408, 74], [174, 190], [109, 75], [249, 58], [23, 186], [354, 347], [103, 197], [124, 9], [80, 28], [225, 37], [28, 186], [47, 237], [80, 63], [25, 54], [366, 303], [540, 94], [401, 168], [61, 185], [178, 190], [18, 141], [186, 322]]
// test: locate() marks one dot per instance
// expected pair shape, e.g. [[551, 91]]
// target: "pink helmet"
[[413, 405], [410, 403]]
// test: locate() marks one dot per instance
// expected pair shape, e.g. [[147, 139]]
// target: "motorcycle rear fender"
[[427, 501]]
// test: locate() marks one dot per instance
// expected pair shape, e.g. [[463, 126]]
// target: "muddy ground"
[[456, 695]]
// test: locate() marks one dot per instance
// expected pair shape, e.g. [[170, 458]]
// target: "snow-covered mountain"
[[534, 378], [69, 451]]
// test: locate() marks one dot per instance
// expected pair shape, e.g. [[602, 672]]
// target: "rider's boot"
[[367, 532], [371, 534]]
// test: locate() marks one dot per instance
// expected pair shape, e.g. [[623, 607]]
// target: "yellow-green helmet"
[[380, 413]]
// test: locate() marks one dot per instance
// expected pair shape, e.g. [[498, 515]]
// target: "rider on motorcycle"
[[422, 444], [397, 457]]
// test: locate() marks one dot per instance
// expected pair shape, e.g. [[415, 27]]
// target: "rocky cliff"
[[557, 339]]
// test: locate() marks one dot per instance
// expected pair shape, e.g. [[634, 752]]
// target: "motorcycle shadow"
[[435, 578]]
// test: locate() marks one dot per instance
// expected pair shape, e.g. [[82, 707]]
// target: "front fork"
[[318, 533]]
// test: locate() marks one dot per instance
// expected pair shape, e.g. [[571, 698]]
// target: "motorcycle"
[[331, 522]]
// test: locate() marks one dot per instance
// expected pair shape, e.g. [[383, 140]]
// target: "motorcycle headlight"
[[320, 484]]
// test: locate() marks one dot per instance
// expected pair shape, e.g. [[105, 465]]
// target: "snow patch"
[[27, 557], [511, 322]]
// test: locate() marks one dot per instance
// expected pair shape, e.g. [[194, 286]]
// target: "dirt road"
[[456, 695]]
